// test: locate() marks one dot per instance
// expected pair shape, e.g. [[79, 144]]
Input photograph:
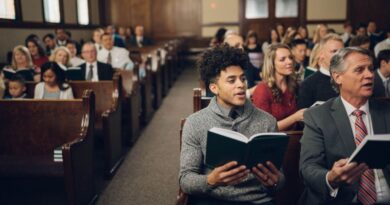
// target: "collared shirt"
[[95, 75], [383, 45], [381, 186], [139, 40], [119, 58], [324, 71], [225, 111]]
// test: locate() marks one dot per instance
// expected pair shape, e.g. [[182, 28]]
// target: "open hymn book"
[[374, 150], [225, 145]]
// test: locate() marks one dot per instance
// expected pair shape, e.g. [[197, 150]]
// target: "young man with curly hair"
[[222, 70]]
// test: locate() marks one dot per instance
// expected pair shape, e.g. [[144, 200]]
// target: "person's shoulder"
[[380, 104], [323, 108], [119, 49]]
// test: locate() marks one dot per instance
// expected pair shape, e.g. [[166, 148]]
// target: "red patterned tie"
[[366, 193]]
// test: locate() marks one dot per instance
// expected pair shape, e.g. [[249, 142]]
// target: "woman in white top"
[[53, 85]]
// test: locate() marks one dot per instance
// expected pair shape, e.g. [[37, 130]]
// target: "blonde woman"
[[313, 62], [319, 33], [21, 64], [276, 93], [61, 55]]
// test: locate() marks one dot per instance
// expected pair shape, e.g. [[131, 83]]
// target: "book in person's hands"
[[373, 150], [224, 146]]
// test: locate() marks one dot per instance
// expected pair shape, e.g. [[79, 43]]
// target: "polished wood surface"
[[32, 129]]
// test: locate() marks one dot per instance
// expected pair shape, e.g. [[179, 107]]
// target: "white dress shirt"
[[381, 186], [383, 45], [95, 74], [324, 71], [119, 58]]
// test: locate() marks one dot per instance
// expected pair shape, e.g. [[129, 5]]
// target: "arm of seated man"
[[343, 173]]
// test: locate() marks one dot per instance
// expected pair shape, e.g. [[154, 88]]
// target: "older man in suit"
[[91, 70], [333, 131]]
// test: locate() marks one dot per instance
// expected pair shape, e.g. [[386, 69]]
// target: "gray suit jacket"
[[328, 137]]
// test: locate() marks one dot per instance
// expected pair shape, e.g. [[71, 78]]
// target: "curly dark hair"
[[217, 59]]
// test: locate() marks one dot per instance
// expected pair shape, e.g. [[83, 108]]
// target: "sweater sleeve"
[[191, 178]]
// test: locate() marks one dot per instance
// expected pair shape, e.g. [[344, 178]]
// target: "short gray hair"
[[337, 63]]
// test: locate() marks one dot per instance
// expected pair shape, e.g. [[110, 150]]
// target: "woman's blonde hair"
[[268, 72], [314, 57], [316, 36], [25, 52], [55, 52]]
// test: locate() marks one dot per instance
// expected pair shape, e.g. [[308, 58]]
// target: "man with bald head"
[[91, 70]]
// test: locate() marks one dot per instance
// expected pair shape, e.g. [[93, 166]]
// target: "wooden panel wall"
[[161, 18], [129, 13], [361, 11], [172, 18]]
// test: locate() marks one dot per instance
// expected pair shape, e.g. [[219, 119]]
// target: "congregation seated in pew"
[[16, 88], [91, 70], [31, 130], [53, 85], [21, 64], [61, 55]]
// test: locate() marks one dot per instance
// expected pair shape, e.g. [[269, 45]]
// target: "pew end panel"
[[130, 105], [108, 117], [293, 187], [46, 125]]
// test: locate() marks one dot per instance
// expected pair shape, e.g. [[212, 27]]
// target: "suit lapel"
[[83, 67], [343, 125], [378, 118]]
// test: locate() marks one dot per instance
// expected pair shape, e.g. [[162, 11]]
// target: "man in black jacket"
[[92, 69]]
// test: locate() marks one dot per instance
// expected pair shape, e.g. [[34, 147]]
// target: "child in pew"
[[53, 85], [16, 88]]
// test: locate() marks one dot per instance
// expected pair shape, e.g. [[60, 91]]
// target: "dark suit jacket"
[[145, 41], [316, 87], [379, 88], [105, 72], [328, 137]]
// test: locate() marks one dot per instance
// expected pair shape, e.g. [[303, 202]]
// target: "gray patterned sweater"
[[193, 173]]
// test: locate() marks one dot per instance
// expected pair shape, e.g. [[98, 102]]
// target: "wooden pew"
[[30, 131], [145, 83], [293, 187], [199, 101], [131, 106], [157, 77], [165, 71], [108, 116]]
